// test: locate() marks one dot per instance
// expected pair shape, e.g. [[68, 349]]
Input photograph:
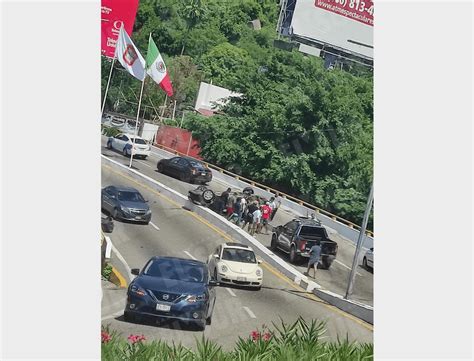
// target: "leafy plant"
[[107, 271]]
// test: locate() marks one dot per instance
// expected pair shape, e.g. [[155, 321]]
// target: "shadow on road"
[[162, 323]]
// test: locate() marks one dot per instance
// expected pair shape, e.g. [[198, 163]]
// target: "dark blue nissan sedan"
[[172, 288]]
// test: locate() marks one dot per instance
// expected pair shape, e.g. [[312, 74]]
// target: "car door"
[[117, 141], [173, 166], [183, 166], [286, 235]]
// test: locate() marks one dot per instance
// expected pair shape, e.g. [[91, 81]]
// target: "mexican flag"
[[156, 68]]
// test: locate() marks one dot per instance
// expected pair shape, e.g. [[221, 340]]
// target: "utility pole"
[[355, 262]]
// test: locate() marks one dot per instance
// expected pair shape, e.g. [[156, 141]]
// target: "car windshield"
[[130, 196], [138, 141], [238, 255], [176, 270]]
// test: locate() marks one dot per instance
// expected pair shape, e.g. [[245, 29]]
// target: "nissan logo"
[[165, 296]]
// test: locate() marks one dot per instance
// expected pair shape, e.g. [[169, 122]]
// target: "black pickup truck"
[[299, 235]]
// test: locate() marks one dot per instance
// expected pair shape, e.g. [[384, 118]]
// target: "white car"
[[235, 263], [124, 143], [368, 261]]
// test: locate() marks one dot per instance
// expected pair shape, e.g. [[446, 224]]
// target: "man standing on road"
[[274, 205], [224, 198], [314, 256], [257, 216], [266, 212]]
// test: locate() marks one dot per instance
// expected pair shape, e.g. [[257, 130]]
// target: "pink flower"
[[267, 336], [255, 335], [136, 338], [105, 337]]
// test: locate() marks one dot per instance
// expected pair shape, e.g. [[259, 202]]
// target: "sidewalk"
[[113, 300]]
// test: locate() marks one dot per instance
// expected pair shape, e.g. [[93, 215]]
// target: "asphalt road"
[[335, 279], [177, 232]]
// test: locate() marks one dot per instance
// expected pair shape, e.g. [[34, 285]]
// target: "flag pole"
[[107, 88], [138, 114], [136, 121]]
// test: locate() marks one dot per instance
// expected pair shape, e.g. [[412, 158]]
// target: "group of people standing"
[[255, 214]]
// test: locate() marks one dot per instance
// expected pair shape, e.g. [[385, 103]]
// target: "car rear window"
[[138, 141], [176, 270], [196, 164], [309, 231]]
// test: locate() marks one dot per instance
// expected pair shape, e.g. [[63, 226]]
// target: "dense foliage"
[[299, 341], [299, 128]]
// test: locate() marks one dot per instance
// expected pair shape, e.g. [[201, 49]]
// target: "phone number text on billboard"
[[359, 10]]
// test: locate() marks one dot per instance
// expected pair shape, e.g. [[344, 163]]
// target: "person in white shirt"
[[257, 216]]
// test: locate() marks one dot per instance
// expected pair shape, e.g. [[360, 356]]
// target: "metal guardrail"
[[269, 189]]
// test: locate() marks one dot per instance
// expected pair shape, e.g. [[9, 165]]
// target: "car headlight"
[[124, 209], [195, 298], [148, 211], [258, 272], [137, 290], [224, 268]]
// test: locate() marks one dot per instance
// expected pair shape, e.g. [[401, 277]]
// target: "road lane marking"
[[154, 226], [249, 311], [231, 292], [143, 163], [190, 255], [265, 265], [343, 265]]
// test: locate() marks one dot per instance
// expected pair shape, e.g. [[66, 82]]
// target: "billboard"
[[345, 25], [114, 13]]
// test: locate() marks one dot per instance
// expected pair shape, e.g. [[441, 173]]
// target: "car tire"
[[326, 264], [109, 145], [115, 213], [364, 263], [159, 167], [215, 274], [125, 153], [273, 245], [294, 258]]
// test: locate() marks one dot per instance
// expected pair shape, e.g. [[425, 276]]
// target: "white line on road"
[[190, 255], [144, 163], [343, 265], [231, 292], [154, 226], [251, 314]]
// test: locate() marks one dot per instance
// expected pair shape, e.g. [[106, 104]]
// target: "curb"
[[117, 279], [230, 231]]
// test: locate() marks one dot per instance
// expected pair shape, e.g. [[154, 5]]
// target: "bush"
[[299, 341], [106, 272], [110, 131]]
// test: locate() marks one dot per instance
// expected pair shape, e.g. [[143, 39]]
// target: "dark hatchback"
[[125, 203], [172, 288], [186, 169]]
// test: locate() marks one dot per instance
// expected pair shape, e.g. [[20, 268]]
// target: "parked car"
[[186, 169], [368, 260], [236, 264], [172, 288], [107, 223], [299, 235], [124, 143], [125, 203]]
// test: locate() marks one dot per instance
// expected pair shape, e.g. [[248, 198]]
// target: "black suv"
[[299, 235]]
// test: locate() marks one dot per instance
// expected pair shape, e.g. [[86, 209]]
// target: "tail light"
[[302, 244]]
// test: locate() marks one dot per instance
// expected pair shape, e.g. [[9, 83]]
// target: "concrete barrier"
[[235, 233]]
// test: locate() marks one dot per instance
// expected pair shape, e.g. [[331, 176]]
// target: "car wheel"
[[109, 145], [115, 214], [208, 195], [160, 167], [125, 153], [215, 274], [364, 263], [273, 245], [326, 263], [293, 256]]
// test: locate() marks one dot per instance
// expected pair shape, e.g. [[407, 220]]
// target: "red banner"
[[178, 139], [114, 14], [362, 11]]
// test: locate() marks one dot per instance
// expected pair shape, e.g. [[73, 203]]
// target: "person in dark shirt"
[[224, 198]]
